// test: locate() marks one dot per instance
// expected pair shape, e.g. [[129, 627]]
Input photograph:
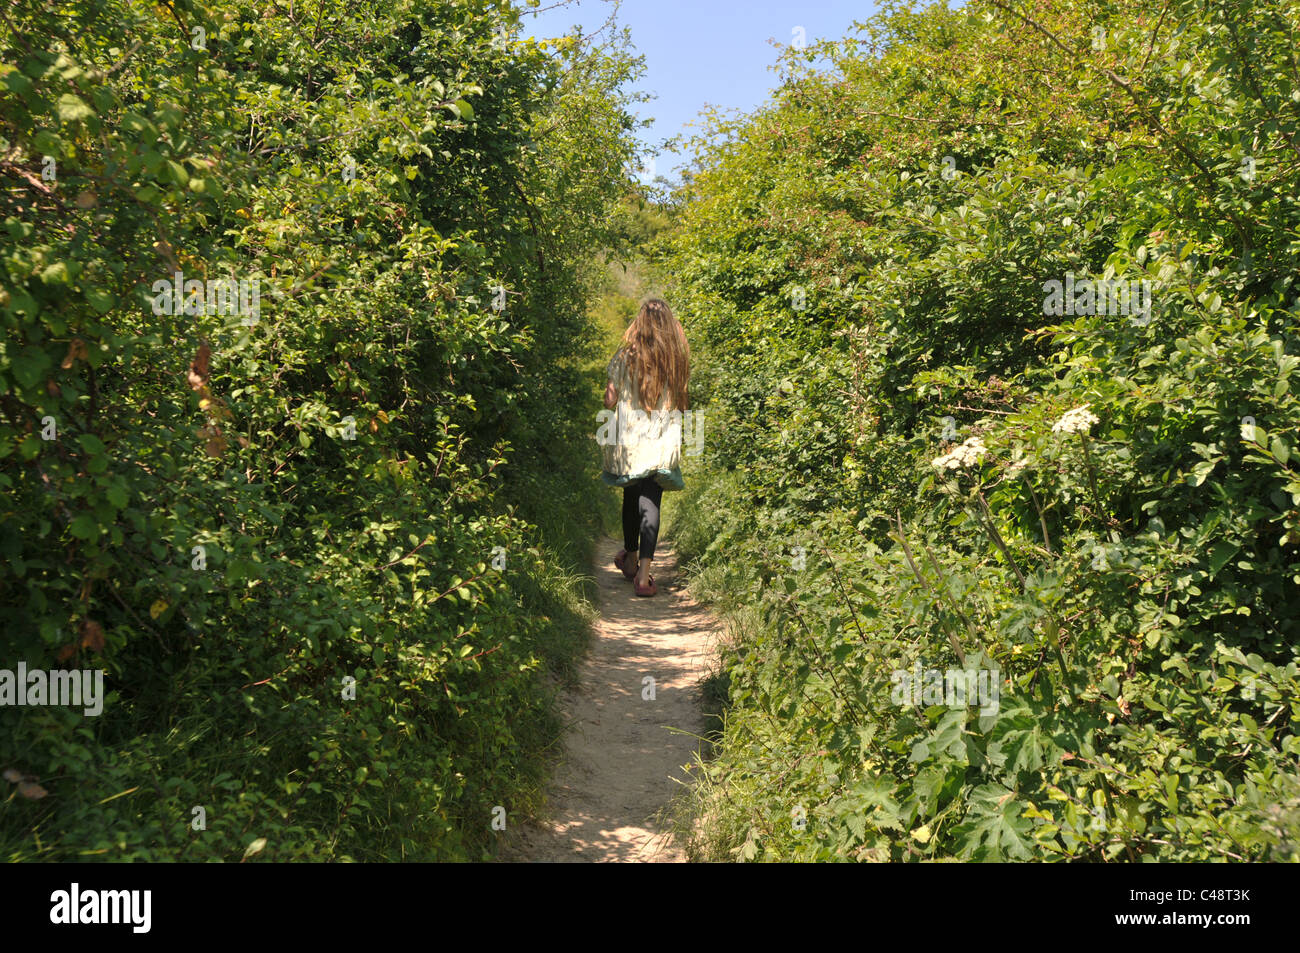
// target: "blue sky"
[[715, 52]]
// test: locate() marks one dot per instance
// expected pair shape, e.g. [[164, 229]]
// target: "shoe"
[[649, 589], [621, 562]]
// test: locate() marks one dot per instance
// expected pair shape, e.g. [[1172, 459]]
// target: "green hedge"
[[867, 255], [302, 544]]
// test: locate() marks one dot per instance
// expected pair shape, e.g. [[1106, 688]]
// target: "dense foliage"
[[301, 536], [870, 254]]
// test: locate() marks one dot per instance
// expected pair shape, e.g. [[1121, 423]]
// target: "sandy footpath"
[[623, 751]]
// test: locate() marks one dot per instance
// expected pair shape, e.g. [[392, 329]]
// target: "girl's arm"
[[611, 391]]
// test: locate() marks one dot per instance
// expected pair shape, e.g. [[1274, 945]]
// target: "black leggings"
[[641, 516]]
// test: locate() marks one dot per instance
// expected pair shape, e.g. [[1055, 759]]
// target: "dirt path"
[[622, 752]]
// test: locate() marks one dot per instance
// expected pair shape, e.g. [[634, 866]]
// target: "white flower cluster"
[[966, 455], [1078, 420]]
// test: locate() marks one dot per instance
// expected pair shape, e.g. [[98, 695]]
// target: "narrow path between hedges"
[[611, 790]]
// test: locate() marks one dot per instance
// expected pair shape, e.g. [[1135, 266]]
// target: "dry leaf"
[[87, 199], [164, 249], [12, 776], [76, 350], [92, 635], [199, 367], [32, 790], [66, 652]]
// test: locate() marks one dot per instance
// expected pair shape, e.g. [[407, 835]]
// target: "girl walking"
[[647, 383]]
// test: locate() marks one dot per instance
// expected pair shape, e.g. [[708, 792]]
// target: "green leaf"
[[84, 526], [47, 143], [90, 443], [1220, 554], [56, 273], [949, 736], [1201, 471], [1017, 742], [72, 108], [18, 84], [994, 828], [177, 173], [30, 366], [99, 299]]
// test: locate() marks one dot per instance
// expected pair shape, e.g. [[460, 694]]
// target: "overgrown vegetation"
[[328, 543], [868, 255], [329, 550]]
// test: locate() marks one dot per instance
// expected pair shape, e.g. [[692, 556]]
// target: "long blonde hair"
[[662, 358]]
